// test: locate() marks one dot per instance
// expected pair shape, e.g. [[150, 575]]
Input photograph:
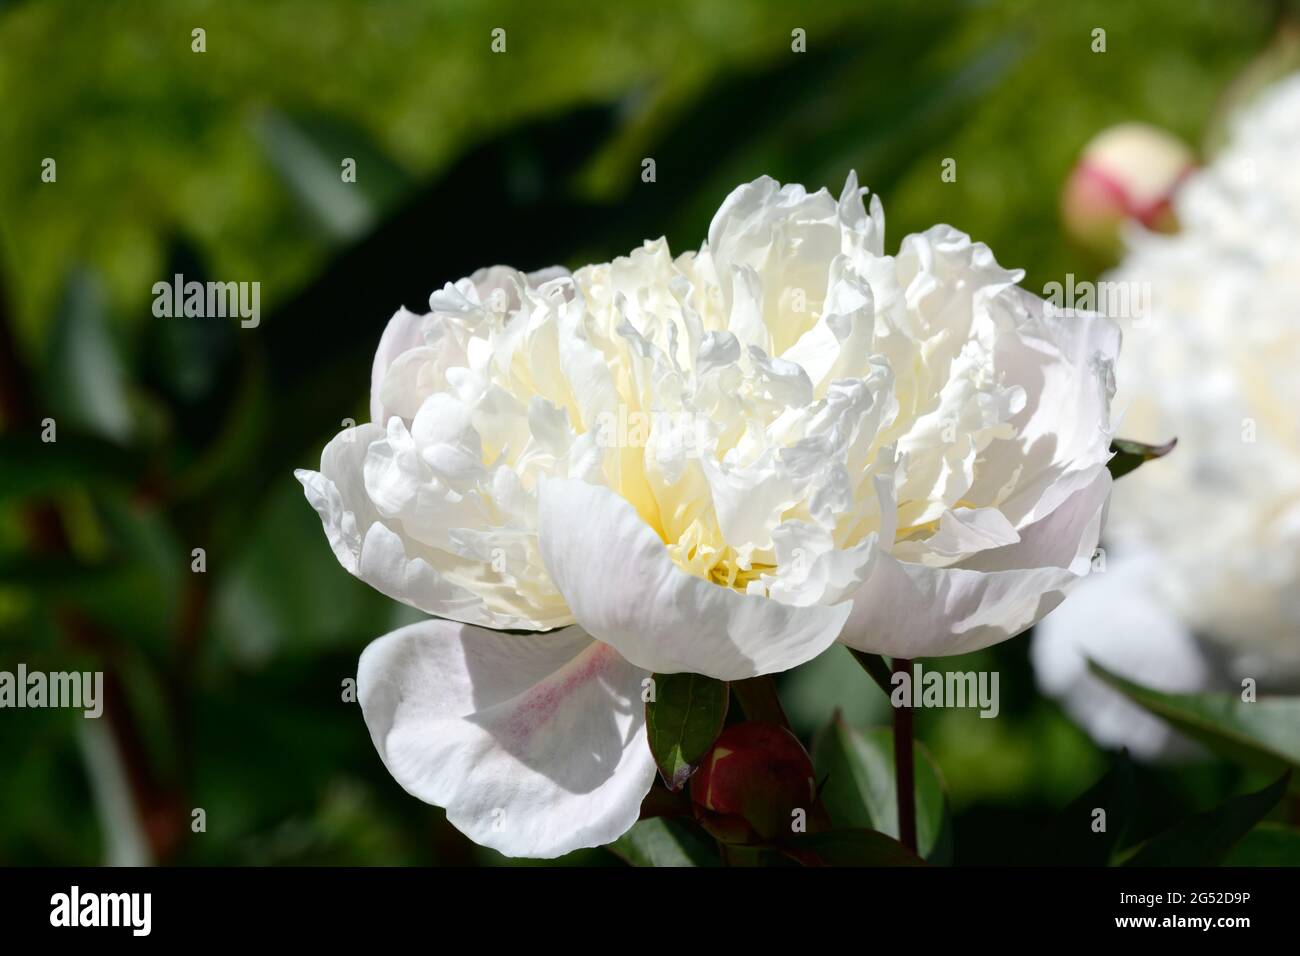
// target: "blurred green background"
[[179, 434]]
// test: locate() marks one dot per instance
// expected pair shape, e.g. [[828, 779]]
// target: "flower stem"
[[759, 700], [904, 785]]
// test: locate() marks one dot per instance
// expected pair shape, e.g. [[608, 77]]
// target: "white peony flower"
[[717, 463], [1215, 525]]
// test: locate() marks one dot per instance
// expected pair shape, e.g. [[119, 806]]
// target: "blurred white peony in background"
[[1202, 584]]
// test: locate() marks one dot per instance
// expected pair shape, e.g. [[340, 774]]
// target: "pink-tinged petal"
[[911, 610], [624, 589], [535, 744]]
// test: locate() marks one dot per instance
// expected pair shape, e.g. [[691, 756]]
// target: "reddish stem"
[[904, 786]]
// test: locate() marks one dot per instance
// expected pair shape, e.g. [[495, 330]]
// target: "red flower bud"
[[756, 785]]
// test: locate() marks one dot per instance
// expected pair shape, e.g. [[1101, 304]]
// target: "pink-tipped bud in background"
[[1126, 172]]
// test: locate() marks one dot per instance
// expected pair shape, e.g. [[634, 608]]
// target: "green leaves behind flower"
[[1259, 733], [1263, 733], [683, 718], [88, 383], [337, 172], [37, 468], [856, 768], [856, 847], [1206, 838], [1076, 836], [665, 841], [1131, 454], [1269, 844]]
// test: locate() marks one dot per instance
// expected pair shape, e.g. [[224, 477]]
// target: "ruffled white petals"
[[362, 492], [402, 335], [912, 610], [535, 745], [1058, 361], [964, 531], [814, 571], [623, 588], [788, 414], [838, 345], [782, 411]]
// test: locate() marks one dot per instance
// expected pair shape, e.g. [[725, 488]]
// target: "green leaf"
[[1206, 838], [858, 769], [267, 605], [1130, 454], [30, 467], [308, 151], [189, 363], [56, 575], [1269, 844], [850, 847], [683, 720], [87, 378], [1264, 733], [1072, 841], [665, 841]]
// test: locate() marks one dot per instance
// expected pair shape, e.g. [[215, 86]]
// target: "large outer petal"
[[534, 744], [377, 554], [623, 587], [911, 610]]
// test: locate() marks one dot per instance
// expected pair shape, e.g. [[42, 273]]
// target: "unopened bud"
[[751, 784], [1128, 172]]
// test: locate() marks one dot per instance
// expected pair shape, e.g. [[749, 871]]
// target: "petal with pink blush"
[[534, 744]]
